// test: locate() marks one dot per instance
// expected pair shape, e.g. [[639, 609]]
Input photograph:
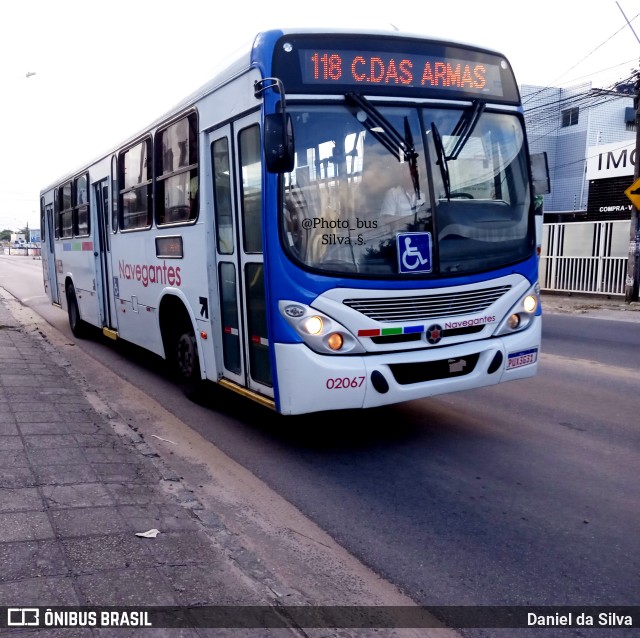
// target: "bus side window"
[[65, 210], [251, 188], [134, 178], [222, 195], [114, 194], [177, 172], [81, 206]]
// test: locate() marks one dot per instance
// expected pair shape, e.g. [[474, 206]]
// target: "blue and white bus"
[[337, 220]]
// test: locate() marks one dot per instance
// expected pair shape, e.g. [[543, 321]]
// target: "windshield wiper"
[[413, 163], [462, 131], [465, 126], [390, 137], [382, 129], [442, 159]]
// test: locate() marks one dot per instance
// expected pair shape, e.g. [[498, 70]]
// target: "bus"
[[336, 220]]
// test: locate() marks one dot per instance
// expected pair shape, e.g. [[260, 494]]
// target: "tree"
[[5, 235], [25, 231]]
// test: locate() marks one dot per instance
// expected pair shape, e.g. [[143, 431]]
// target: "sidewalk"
[[74, 494], [82, 491], [595, 306]]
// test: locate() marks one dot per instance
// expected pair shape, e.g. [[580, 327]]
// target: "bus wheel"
[[187, 364], [78, 327]]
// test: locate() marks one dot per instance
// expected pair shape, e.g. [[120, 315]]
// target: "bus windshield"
[[363, 174]]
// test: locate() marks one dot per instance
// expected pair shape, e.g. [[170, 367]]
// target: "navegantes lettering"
[[465, 323], [150, 274]]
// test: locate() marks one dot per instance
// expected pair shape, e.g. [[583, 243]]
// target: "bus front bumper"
[[309, 382]]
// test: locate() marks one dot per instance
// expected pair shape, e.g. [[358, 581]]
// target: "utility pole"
[[633, 263], [632, 282]]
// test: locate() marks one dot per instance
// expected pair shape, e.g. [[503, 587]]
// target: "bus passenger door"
[[48, 253], [237, 195], [103, 255]]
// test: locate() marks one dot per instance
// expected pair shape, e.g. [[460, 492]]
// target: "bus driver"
[[400, 203]]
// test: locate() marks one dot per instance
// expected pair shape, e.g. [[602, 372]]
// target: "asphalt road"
[[615, 343]]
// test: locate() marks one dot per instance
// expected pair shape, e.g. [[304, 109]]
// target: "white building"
[[589, 137]]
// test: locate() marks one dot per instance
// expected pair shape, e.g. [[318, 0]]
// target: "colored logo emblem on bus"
[[434, 333], [414, 252]]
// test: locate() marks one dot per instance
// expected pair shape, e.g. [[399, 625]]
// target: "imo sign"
[[414, 252]]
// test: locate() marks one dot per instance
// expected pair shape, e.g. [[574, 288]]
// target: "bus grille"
[[429, 306]]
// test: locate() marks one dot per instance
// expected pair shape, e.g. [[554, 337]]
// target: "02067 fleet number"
[[344, 383]]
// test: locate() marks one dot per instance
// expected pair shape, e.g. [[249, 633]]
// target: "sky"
[[105, 69]]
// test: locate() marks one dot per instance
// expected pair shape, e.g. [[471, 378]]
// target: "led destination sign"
[[390, 69], [392, 66]]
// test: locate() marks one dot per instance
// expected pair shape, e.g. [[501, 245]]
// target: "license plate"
[[522, 358]]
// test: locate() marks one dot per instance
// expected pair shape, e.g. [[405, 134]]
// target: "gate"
[[586, 257]]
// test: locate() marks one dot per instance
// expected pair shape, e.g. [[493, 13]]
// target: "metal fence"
[[586, 257]]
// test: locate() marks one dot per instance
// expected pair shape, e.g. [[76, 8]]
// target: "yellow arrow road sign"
[[633, 193]]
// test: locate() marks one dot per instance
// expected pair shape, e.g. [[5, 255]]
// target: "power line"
[[590, 76], [628, 23], [594, 50], [586, 56], [546, 114], [550, 114]]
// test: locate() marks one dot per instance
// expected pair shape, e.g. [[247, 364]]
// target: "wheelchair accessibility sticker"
[[414, 252]]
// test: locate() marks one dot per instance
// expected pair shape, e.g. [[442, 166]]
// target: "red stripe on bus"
[[375, 332]]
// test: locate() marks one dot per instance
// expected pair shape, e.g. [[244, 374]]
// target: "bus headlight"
[[319, 331], [513, 321], [313, 325], [335, 341], [522, 313], [530, 303]]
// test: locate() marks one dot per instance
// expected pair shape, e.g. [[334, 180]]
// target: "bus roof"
[[250, 54]]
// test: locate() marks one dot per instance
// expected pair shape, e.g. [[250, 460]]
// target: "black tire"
[[78, 327], [186, 362]]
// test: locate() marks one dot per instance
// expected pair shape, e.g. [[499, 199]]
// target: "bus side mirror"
[[278, 143], [540, 174]]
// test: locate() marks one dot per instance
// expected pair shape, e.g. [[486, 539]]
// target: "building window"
[[630, 118], [570, 117]]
